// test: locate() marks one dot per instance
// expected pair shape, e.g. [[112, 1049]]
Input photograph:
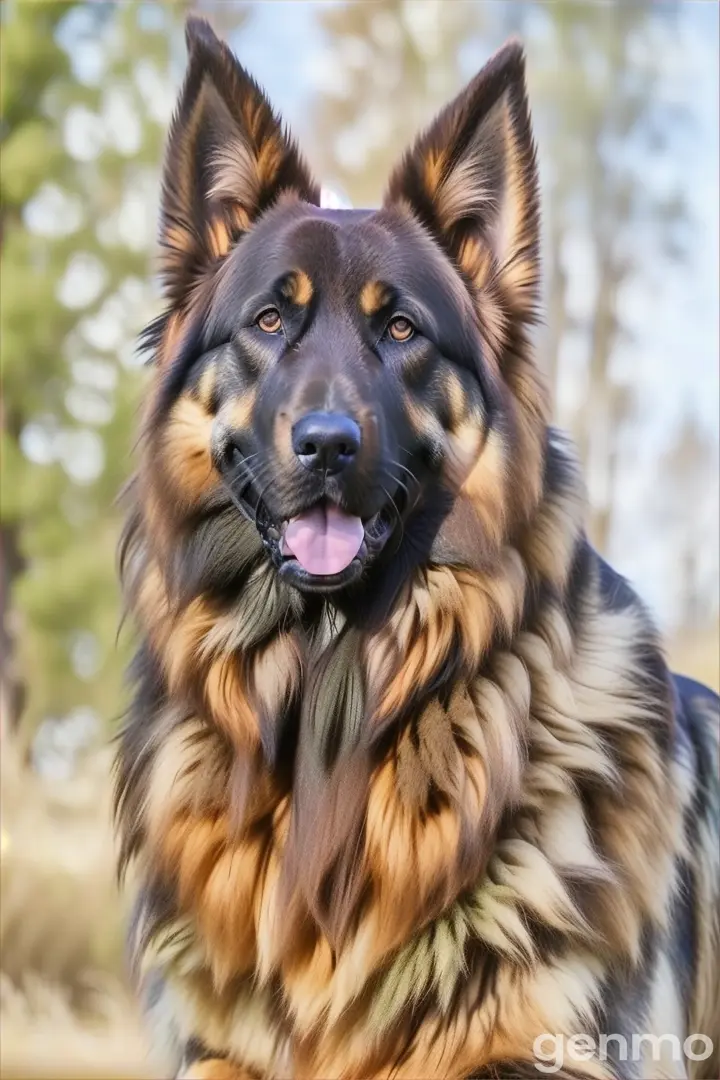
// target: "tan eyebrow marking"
[[373, 296], [299, 288]]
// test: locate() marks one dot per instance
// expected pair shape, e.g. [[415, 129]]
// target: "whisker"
[[399, 483], [261, 497], [243, 466], [392, 503], [236, 496], [234, 499], [411, 474], [414, 479]]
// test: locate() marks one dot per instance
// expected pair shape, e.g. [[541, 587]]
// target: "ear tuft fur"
[[471, 179], [199, 32], [228, 160]]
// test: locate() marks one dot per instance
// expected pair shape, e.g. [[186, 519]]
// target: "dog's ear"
[[471, 179], [228, 159]]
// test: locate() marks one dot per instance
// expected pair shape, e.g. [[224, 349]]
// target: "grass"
[[45, 1035], [65, 1009], [698, 655]]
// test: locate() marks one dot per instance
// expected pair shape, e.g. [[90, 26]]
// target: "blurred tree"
[[686, 503], [85, 92], [31, 61], [387, 68], [227, 17], [604, 127]]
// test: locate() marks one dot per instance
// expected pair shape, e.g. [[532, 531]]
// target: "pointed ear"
[[228, 159], [471, 179]]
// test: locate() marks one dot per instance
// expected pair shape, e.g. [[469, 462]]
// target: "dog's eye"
[[270, 321], [400, 328]]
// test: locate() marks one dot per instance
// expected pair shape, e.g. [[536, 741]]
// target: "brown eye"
[[400, 328], [270, 321]]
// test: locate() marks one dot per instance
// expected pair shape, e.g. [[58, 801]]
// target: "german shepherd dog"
[[407, 786]]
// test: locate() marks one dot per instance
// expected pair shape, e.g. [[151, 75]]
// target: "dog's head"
[[354, 388]]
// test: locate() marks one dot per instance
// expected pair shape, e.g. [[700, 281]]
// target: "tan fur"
[[228, 703], [206, 387], [243, 168], [434, 167], [373, 296], [299, 289], [171, 339], [456, 400], [238, 414], [186, 452], [475, 260], [215, 1069], [484, 480], [424, 422], [219, 238], [236, 174], [461, 192]]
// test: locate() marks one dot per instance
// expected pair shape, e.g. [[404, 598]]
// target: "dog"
[[406, 787]]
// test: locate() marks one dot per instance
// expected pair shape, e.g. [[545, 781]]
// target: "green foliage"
[[80, 148]]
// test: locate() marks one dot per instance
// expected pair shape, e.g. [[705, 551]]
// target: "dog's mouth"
[[324, 547], [324, 540]]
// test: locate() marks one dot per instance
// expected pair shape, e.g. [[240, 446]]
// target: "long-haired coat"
[[406, 784]]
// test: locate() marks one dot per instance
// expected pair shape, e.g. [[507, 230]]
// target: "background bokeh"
[[625, 103]]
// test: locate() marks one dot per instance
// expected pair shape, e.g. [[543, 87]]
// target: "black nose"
[[326, 442]]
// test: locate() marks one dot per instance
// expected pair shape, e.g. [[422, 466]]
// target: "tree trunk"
[[11, 689], [11, 565]]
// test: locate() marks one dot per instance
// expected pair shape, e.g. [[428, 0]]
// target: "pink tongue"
[[324, 540]]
